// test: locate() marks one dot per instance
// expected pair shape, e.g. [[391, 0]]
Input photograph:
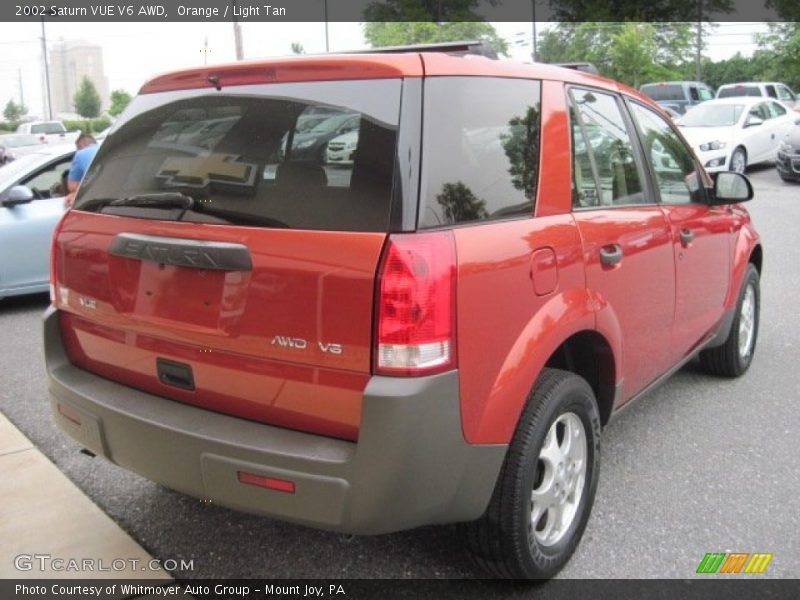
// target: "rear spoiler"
[[585, 67], [459, 48]]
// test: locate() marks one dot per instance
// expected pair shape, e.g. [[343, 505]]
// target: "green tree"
[[297, 48], [14, 111], [400, 22], [119, 100], [87, 100], [782, 43]]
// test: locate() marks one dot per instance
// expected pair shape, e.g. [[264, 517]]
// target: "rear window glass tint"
[[480, 149], [664, 92], [739, 90], [300, 156], [47, 128]]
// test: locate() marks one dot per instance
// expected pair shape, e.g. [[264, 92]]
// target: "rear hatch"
[[213, 257]]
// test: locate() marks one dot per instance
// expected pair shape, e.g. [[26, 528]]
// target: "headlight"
[[715, 145], [350, 146], [785, 147], [306, 144]]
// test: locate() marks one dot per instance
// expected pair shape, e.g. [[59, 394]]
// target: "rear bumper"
[[410, 466]]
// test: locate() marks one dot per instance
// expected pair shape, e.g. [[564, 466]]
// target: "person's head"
[[85, 139]]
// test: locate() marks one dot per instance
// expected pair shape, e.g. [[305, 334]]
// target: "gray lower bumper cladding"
[[410, 466]]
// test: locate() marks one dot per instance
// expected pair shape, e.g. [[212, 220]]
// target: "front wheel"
[[544, 494], [739, 160], [733, 358]]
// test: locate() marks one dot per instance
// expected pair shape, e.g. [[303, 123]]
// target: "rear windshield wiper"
[[157, 200], [154, 200]]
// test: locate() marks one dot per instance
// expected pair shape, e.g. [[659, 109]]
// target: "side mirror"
[[19, 194], [730, 188], [752, 121]]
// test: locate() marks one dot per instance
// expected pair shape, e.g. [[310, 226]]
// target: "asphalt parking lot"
[[700, 465]]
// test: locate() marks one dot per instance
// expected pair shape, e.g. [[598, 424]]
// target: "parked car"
[[48, 131], [311, 144], [340, 149], [788, 163], [734, 133], [14, 145], [440, 339], [31, 203], [678, 95], [761, 89]]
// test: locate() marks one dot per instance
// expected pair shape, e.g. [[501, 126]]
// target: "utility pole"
[[237, 36], [698, 42], [21, 95], [327, 47], [205, 51], [49, 108], [533, 32]]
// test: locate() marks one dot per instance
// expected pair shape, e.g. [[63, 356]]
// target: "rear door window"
[[606, 171], [480, 149], [771, 91], [254, 155]]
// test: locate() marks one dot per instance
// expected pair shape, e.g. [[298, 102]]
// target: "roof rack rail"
[[586, 67], [459, 48]]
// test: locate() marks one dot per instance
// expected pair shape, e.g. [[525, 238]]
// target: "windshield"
[[227, 154], [720, 115]]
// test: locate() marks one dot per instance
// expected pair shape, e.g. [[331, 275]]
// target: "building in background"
[[70, 62]]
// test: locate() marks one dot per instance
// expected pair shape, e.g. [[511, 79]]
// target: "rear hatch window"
[[296, 156], [661, 93], [739, 90]]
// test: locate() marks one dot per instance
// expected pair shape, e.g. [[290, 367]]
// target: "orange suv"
[[435, 331]]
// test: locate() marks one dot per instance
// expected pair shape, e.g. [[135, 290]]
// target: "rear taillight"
[[415, 312], [53, 257]]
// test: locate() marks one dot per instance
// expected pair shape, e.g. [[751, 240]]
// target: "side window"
[[760, 111], [784, 93], [705, 94], [47, 183], [482, 153], [673, 166], [602, 142], [776, 110], [693, 93], [771, 91]]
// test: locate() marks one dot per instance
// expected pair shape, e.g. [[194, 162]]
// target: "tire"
[[505, 542], [733, 358], [738, 162]]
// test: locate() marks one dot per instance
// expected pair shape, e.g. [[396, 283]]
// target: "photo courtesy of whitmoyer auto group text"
[[377, 299]]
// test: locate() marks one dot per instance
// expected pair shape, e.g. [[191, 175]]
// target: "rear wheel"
[[739, 160], [546, 488], [733, 358]]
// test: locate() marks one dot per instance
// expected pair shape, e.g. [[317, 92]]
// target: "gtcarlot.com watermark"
[[60, 564]]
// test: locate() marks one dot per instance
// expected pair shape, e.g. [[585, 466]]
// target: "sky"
[[134, 52]]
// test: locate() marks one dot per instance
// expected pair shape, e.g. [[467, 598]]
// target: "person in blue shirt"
[[87, 148]]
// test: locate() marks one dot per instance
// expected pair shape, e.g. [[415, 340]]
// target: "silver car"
[[32, 190]]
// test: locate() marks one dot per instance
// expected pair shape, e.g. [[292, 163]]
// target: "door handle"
[[687, 236], [611, 254]]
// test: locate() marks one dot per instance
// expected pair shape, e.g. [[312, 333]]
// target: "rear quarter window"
[[480, 149]]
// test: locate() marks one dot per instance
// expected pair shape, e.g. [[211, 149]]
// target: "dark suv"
[[435, 333]]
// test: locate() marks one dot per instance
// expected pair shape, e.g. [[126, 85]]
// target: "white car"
[[765, 89], [341, 148], [734, 133]]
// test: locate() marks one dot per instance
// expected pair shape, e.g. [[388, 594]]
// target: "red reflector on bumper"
[[280, 485], [69, 413]]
